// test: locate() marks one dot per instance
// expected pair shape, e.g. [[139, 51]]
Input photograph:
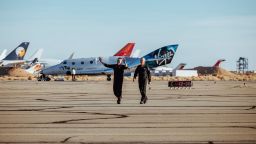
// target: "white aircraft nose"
[[45, 71], [49, 71]]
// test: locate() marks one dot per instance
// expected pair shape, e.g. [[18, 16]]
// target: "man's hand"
[[100, 59], [133, 79], [124, 61], [149, 83]]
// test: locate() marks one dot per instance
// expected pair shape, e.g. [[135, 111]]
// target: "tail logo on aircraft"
[[20, 52], [166, 56]]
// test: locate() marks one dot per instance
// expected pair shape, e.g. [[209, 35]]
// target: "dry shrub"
[[30, 78]]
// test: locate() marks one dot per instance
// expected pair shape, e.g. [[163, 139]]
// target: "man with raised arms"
[[118, 76]]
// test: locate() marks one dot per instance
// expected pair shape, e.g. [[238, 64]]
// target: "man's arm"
[[106, 65], [135, 73], [125, 64], [149, 75]]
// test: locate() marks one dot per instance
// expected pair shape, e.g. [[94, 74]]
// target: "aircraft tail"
[[180, 66], [71, 56], [37, 54], [18, 53], [136, 53], [126, 50], [217, 64], [3, 54], [161, 56]]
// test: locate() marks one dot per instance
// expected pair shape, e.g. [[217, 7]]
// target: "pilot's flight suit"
[[144, 78], [118, 78]]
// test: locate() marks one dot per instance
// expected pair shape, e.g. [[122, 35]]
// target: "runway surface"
[[86, 112]]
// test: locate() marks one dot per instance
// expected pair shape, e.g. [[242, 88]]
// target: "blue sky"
[[205, 30]]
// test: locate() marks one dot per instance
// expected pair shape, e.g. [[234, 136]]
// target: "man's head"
[[142, 61], [119, 61]]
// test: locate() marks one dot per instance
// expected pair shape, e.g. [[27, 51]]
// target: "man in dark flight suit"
[[118, 76], [144, 77]]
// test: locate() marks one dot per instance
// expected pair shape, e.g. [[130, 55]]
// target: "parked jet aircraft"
[[202, 70], [16, 56], [165, 68], [92, 66], [40, 64], [37, 64], [125, 51], [217, 64], [182, 65]]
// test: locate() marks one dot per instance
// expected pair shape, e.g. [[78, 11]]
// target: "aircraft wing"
[[132, 62], [96, 71], [11, 63]]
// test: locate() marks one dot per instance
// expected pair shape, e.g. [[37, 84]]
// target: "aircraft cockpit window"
[[91, 62], [82, 62], [73, 63], [65, 62]]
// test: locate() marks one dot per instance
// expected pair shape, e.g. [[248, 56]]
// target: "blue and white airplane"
[[92, 66], [35, 66]]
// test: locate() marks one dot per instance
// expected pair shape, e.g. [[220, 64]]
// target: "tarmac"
[[86, 112]]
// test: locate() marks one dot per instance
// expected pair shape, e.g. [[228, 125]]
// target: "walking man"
[[118, 76], [144, 77]]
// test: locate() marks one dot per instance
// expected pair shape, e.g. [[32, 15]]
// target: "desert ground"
[[86, 112]]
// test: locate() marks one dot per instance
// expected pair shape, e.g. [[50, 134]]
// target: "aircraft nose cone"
[[51, 70], [45, 71], [42, 72]]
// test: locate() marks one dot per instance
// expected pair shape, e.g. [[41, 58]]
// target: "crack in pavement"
[[66, 139], [42, 99], [115, 116], [141, 127], [251, 108]]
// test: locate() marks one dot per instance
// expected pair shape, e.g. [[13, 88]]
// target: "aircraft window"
[[65, 62], [91, 62], [82, 62], [73, 63]]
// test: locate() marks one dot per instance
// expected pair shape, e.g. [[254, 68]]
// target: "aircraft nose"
[[47, 71], [44, 71], [51, 70]]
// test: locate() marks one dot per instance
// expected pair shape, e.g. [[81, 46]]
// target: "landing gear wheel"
[[43, 78], [108, 77]]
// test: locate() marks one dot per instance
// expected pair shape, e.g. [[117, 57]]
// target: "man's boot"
[[142, 100], [118, 100], [145, 100]]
